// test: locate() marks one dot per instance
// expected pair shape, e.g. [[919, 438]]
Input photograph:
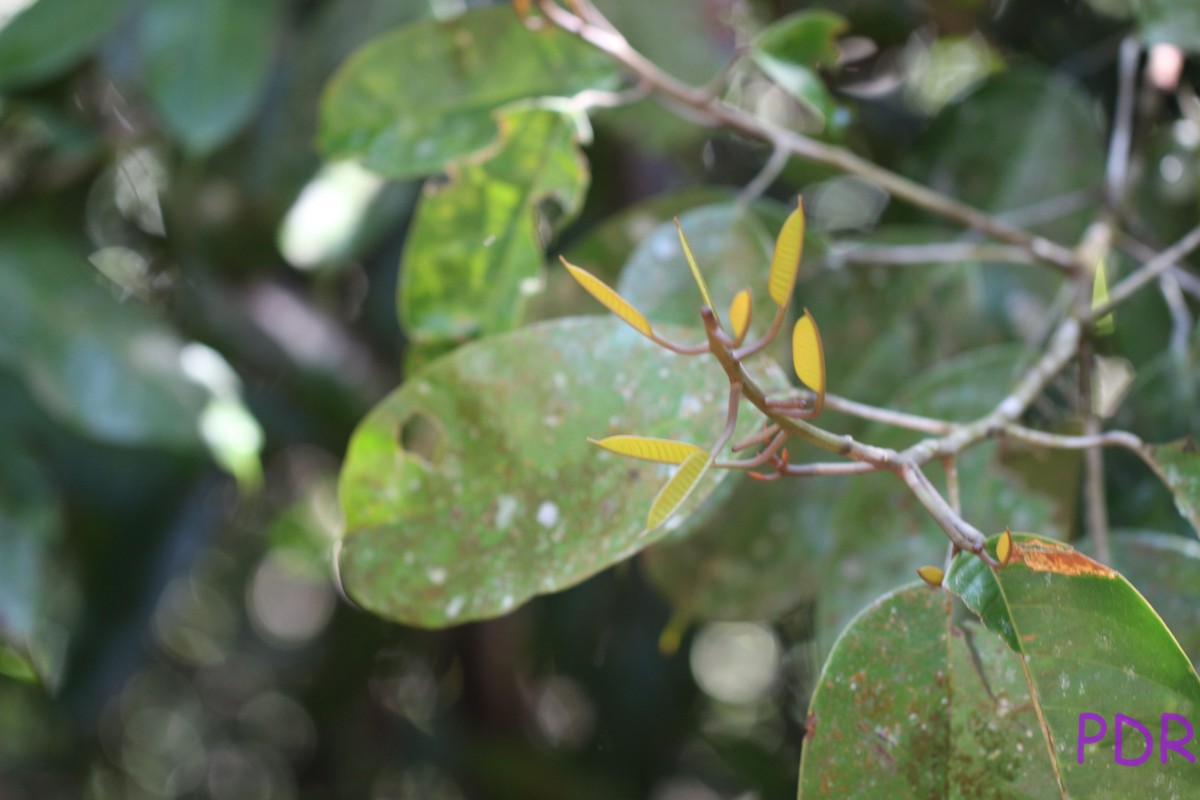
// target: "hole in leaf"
[[421, 435]]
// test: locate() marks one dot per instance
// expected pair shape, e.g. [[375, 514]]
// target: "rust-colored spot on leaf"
[[1043, 556]]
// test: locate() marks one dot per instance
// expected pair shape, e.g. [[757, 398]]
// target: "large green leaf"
[[909, 705], [1024, 137], [207, 64], [414, 99], [1169, 21], [733, 249], [477, 242], [1090, 644], [111, 370], [49, 36], [472, 487], [1178, 464]]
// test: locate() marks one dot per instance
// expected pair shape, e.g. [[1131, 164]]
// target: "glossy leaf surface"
[[378, 111], [207, 64], [49, 36], [1091, 644]]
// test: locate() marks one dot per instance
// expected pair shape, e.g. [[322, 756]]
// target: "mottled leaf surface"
[[106, 368], [207, 64], [475, 249], [909, 705], [1090, 644], [500, 496], [420, 96], [49, 36], [1178, 464]]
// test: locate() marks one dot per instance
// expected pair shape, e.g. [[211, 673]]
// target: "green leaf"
[[886, 533], [34, 588], [473, 487], [790, 51], [910, 706], [732, 247], [1169, 21], [475, 249], [423, 95], [756, 557], [1022, 138], [207, 64], [110, 370], [50, 36], [1166, 570], [1090, 644], [1178, 464]]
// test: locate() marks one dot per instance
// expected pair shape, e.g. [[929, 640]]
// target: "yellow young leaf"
[[676, 490], [691, 259], [931, 575], [785, 264], [608, 298], [647, 448], [1105, 325], [739, 314], [808, 357], [1004, 548]]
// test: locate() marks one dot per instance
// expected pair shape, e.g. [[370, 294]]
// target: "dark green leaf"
[[757, 556], [1023, 138], [111, 370], [33, 587], [910, 706], [50, 36], [1090, 644], [1178, 464], [423, 95], [207, 64], [1171, 21], [472, 487], [476, 246]]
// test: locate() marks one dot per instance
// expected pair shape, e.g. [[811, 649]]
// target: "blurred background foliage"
[[197, 311]]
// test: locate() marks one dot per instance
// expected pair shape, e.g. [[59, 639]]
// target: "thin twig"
[[913, 254], [1117, 167], [763, 180], [600, 34], [1095, 503]]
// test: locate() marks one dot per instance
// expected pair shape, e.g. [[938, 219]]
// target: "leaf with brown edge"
[[808, 357], [677, 490], [1089, 643], [608, 298], [648, 448], [785, 263], [739, 315]]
